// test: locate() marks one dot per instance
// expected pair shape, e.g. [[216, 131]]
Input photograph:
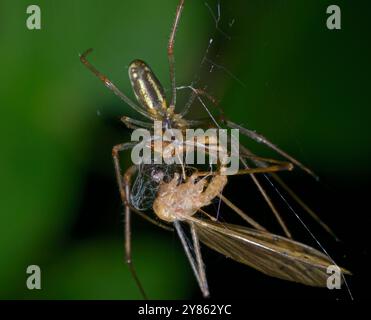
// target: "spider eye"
[[147, 88]]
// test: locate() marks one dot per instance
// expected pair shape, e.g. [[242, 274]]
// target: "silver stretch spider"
[[277, 256]]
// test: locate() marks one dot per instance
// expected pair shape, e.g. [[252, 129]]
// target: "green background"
[[305, 87]]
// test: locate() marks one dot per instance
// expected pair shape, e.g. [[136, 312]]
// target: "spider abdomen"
[[147, 88]]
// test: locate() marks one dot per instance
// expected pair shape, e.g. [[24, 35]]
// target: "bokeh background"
[[276, 69]]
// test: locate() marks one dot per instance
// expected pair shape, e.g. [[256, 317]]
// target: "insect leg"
[[200, 263], [268, 201], [186, 247], [251, 172], [280, 165], [242, 214], [305, 206], [260, 162]]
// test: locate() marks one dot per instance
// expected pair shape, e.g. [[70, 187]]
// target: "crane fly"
[[179, 196]]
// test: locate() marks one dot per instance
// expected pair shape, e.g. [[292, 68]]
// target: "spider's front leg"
[[128, 258], [110, 85], [123, 184]]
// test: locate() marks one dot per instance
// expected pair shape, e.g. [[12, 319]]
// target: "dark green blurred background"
[[282, 72]]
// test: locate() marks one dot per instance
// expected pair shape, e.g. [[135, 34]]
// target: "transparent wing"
[[273, 255]]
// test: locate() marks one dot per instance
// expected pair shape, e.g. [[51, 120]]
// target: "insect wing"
[[272, 255]]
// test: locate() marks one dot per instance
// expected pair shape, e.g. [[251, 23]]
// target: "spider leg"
[[250, 133], [197, 93], [261, 139], [188, 105], [135, 124], [109, 84], [267, 199], [285, 166], [170, 52], [124, 189], [276, 166], [128, 256], [199, 122]]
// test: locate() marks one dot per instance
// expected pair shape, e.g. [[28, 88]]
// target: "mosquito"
[[179, 197]]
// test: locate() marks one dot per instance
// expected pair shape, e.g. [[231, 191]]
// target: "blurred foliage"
[[305, 87], [49, 104]]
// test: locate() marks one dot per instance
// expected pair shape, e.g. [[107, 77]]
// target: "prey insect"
[[180, 194]]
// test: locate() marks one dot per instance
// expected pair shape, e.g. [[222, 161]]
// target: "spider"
[[180, 198]]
